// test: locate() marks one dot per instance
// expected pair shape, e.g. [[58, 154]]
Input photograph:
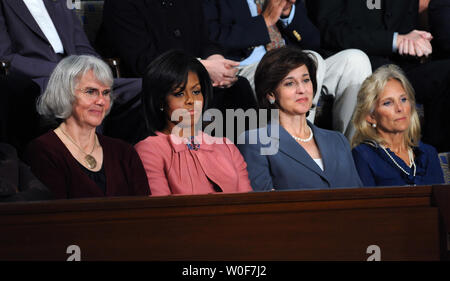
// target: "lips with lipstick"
[[302, 100]]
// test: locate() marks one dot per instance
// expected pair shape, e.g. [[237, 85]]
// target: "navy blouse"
[[376, 168]]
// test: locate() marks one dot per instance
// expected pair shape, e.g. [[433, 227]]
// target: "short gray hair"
[[59, 96]]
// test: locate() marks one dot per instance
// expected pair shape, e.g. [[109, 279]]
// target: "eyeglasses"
[[94, 93]]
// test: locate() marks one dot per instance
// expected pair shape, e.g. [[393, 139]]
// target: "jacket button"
[[177, 33], [163, 3]]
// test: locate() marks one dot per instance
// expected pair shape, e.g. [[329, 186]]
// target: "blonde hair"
[[368, 97]]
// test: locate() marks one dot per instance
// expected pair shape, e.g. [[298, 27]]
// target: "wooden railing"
[[401, 223]]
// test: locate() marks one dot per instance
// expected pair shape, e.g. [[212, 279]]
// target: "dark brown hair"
[[275, 66]]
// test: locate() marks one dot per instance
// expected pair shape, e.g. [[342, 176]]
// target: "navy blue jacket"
[[376, 168], [232, 26]]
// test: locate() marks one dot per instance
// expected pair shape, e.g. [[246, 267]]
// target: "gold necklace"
[[89, 159]]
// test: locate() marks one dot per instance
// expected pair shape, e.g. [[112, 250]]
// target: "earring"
[[374, 125], [162, 109], [271, 101]]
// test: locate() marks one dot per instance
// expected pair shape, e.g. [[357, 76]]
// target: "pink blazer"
[[173, 168]]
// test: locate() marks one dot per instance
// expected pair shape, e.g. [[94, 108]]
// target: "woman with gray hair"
[[73, 160], [386, 146]]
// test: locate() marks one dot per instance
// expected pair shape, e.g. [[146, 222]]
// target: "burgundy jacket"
[[55, 166]]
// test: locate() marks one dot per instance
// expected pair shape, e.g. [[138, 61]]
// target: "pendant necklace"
[[89, 159]]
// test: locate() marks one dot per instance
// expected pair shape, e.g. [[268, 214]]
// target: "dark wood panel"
[[294, 225]]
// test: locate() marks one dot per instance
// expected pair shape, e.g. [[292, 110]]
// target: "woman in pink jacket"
[[178, 157]]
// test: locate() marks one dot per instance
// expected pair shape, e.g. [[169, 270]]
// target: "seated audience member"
[[18, 117], [246, 29], [292, 153], [73, 161], [138, 31], [17, 183], [439, 21], [37, 34], [387, 31], [178, 156], [387, 147]]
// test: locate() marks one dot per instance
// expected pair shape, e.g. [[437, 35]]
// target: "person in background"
[[389, 34], [17, 182], [178, 156], [299, 155], [247, 29], [73, 161], [386, 147], [439, 21]]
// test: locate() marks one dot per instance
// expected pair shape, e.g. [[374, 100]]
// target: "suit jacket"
[[376, 168], [438, 16], [291, 167], [348, 24], [137, 31], [25, 45], [232, 26]]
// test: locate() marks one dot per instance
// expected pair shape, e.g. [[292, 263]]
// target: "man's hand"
[[416, 43], [222, 71], [287, 8], [273, 10]]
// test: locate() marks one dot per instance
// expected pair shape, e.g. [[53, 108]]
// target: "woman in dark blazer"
[[386, 146], [290, 152]]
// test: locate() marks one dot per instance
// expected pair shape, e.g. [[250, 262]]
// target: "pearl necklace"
[[411, 160], [307, 139]]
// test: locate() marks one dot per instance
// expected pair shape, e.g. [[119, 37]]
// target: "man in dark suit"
[[246, 29], [18, 116], [439, 21], [386, 31], [36, 35], [137, 31]]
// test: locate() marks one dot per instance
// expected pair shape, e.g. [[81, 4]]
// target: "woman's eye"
[[179, 94], [197, 92], [289, 84], [404, 100], [306, 80], [387, 103]]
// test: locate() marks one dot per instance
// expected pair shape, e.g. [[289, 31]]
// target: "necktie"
[[276, 40]]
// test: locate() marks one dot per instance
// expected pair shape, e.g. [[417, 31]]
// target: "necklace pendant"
[[90, 161]]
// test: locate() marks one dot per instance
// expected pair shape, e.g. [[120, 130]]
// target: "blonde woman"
[[386, 146]]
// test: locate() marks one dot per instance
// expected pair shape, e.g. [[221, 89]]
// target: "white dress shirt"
[[45, 23]]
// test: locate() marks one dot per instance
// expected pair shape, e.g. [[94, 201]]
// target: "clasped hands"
[[223, 72], [416, 43]]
